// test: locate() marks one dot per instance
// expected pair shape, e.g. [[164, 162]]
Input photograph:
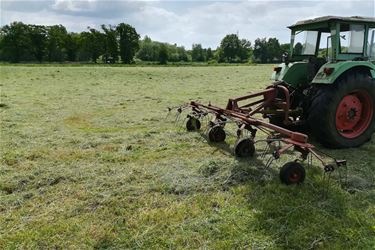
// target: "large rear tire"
[[341, 115]]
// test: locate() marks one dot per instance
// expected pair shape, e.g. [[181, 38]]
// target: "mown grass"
[[88, 160]]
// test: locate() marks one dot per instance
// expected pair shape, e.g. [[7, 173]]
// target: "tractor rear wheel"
[[342, 115]]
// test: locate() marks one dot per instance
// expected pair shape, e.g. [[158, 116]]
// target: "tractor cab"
[[328, 39]]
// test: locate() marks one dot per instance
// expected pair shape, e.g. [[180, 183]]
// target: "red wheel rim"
[[354, 114]]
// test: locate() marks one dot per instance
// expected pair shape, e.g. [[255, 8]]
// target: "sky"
[[183, 22]]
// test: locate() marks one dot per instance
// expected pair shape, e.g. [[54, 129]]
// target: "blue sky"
[[183, 22]]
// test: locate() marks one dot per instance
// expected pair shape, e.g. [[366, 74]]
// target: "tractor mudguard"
[[295, 74], [329, 72]]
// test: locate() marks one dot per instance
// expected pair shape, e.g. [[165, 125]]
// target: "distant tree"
[[245, 50], [147, 39], [274, 51], [93, 42], [218, 55], [111, 51], [209, 54], [129, 42], [149, 50], [197, 53], [230, 47], [260, 50], [38, 39], [55, 45], [15, 41], [182, 55], [173, 55], [72, 46], [163, 54]]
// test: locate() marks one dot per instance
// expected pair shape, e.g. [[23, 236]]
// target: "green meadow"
[[89, 160]]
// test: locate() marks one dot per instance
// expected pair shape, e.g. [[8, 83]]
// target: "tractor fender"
[[340, 68], [295, 74]]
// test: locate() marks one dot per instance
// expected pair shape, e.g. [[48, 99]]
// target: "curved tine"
[[207, 120], [265, 151], [179, 121], [339, 171], [329, 179], [269, 161], [181, 124], [179, 114], [309, 160], [325, 190], [346, 175], [344, 182], [324, 183], [220, 122], [248, 134], [230, 133], [243, 134], [168, 114], [177, 117]]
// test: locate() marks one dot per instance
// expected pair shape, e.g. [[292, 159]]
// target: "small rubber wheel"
[[292, 173], [244, 147], [216, 134], [193, 124]]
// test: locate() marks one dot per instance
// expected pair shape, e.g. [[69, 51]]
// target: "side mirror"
[[285, 58]]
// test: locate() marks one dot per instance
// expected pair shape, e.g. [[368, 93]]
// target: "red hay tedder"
[[242, 111]]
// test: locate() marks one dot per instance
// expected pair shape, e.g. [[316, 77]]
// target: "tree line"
[[21, 42]]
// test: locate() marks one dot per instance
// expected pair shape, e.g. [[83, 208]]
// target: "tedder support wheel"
[[193, 124], [292, 173], [216, 134], [342, 115], [244, 147]]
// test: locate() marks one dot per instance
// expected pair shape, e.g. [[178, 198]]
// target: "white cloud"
[[183, 22]]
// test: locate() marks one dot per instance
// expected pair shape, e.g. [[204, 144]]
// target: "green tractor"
[[330, 75], [325, 85]]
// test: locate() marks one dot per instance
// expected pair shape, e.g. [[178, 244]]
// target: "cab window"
[[352, 37], [371, 43], [305, 42]]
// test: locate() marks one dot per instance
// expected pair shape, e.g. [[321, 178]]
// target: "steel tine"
[[339, 171], [324, 184], [327, 183], [269, 161], [265, 150], [169, 112], [177, 117], [309, 160], [181, 125]]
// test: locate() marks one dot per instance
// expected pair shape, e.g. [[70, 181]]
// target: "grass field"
[[88, 160]]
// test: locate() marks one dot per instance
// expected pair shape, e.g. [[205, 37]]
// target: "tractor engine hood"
[[295, 74]]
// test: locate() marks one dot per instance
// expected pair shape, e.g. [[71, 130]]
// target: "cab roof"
[[323, 21]]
